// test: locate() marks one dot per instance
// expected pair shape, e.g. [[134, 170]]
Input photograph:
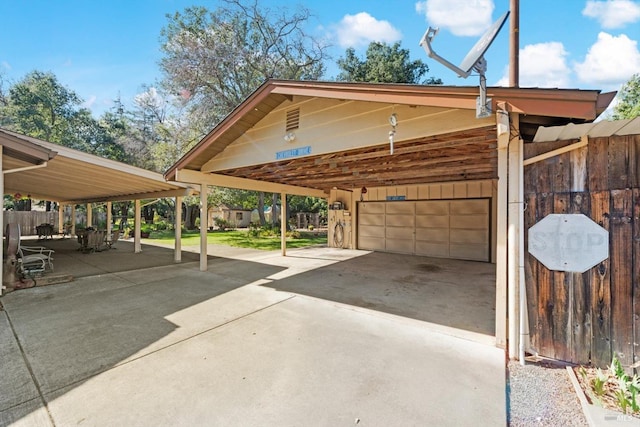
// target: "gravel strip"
[[541, 394]]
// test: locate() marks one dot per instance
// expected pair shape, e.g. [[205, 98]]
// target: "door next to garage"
[[456, 229]]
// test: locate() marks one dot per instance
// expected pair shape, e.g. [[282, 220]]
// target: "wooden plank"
[[543, 179], [562, 173], [618, 163], [636, 268], [621, 275], [634, 161], [531, 266], [581, 292], [597, 163], [601, 289], [545, 290], [579, 169], [535, 159], [560, 308]]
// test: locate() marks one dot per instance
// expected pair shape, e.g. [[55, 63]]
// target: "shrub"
[[222, 223]]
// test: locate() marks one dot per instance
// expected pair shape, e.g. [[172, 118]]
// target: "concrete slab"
[[259, 339], [15, 374], [298, 362], [28, 414], [116, 319]]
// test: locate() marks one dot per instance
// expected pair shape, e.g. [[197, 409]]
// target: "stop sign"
[[568, 242]]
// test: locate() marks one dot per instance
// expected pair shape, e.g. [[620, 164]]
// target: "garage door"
[[457, 229]]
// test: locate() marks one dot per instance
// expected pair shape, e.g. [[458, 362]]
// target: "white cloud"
[[610, 61], [89, 102], [613, 13], [542, 65], [362, 29], [461, 17], [5, 65]]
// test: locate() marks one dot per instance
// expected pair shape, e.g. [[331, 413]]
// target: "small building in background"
[[237, 217]]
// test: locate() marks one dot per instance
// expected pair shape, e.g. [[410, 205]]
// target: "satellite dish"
[[474, 60]]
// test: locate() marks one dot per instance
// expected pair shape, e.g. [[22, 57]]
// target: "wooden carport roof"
[[445, 157], [53, 172]]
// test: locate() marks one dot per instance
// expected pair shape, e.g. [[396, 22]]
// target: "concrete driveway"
[[171, 345]]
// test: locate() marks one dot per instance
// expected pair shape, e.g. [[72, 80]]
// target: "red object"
[[17, 196], [364, 190]]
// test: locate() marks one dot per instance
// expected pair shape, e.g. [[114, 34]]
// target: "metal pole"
[[514, 43]]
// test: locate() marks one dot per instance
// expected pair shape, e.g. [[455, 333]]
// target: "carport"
[[406, 169], [60, 174]]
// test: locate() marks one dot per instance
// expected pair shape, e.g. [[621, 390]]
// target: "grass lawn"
[[241, 239]]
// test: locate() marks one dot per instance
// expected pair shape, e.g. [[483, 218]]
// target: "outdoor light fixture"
[[289, 137], [393, 121]]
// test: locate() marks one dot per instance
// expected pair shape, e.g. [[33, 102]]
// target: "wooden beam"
[[191, 176], [584, 140], [183, 192]]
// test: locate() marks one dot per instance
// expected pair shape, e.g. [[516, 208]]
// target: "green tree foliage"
[[383, 64], [628, 106], [41, 107], [214, 60]]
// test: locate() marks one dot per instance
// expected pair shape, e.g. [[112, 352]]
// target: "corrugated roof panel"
[[573, 131], [594, 130], [632, 128], [606, 128]]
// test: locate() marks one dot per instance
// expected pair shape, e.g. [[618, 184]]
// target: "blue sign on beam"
[[395, 198], [294, 152]]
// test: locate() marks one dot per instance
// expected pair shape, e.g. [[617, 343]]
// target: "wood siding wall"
[[587, 317]]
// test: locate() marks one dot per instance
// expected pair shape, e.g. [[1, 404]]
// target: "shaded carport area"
[[415, 151], [51, 172], [170, 344]]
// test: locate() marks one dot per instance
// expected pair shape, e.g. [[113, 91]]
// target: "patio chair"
[[115, 235], [34, 259]]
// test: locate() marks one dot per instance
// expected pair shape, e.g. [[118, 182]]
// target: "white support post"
[[109, 219], [204, 192], [89, 215], [283, 223], [137, 244], [60, 218], [73, 220], [177, 250], [513, 243], [501, 230]]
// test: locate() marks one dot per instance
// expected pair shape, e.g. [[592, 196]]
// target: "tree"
[[41, 107], [383, 64], [214, 60], [628, 106]]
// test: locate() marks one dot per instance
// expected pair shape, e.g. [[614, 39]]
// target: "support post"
[[61, 218], [513, 244], [89, 215], [283, 223], [177, 250], [109, 219], [204, 192], [137, 245], [73, 220], [501, 229]]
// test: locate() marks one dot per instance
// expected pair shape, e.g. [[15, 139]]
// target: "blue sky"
[[105, 49]]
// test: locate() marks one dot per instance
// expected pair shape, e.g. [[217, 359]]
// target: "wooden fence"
[[28, 220], [587, 317]]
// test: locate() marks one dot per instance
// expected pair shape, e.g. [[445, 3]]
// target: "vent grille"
[[293, 120]]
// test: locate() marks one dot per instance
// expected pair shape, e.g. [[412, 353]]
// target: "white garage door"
[[457, 229]]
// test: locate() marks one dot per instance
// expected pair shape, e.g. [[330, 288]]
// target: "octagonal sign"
[[568, 242]]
